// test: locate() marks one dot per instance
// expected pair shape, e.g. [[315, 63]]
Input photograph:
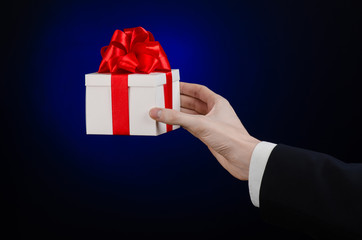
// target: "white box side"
[[141, 100], [99, 110], [176, 102], [175, 75], [160, 102]]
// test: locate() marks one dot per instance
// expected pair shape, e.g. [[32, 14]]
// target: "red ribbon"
[[132, 51], [167, 89], [120, 104]]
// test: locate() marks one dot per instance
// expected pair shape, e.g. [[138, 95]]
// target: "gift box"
[[144, 92], [133, 77]]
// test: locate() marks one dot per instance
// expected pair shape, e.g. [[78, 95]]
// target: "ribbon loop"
[[133, 51]]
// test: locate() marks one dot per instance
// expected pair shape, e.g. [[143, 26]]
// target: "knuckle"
[[199, 89], [172, 116], [222, 100], [202, 126], [205, 89]]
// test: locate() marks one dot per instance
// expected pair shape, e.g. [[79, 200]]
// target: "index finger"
[[198, 91]]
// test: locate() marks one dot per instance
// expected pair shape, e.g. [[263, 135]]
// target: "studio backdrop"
[[289, 69]]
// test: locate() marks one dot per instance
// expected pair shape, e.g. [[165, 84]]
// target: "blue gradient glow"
[[280, 66]]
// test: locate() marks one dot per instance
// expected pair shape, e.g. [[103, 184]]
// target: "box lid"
[[134, 80]]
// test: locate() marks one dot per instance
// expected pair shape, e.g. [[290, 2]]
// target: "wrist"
[[252, 143], [245, 147]]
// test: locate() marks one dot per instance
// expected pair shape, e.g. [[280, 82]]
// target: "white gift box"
[[145, 91]]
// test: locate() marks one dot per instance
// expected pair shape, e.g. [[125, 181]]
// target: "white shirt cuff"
[[258, 161]]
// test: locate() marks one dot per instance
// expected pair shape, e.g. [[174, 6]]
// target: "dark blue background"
[[290, 70]]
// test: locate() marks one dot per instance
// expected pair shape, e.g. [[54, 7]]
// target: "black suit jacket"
[[312, 192]]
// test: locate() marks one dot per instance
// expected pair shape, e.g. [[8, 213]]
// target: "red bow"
[[133, 51]]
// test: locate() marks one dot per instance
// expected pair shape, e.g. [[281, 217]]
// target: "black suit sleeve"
[[312, 192]]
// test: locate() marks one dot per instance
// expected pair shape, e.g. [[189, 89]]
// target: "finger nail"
[[155, 113]]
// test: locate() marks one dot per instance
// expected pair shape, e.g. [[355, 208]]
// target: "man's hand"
[[209, 117]]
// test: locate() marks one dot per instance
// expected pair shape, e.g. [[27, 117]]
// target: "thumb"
[[173, 117]]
